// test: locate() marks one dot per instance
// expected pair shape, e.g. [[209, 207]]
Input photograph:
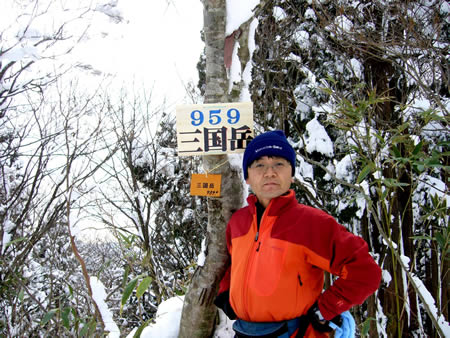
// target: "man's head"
[[269, 164], [271, 143]]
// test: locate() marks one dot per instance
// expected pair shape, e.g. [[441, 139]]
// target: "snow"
[[247, 73], [279, 13], [302, 37], [435, 187], [310, 14], [318, 139], [304, 173], [381, 324], [75, 229], [225, 327], [167, 320], [149, 37], [445, 9], [344, 169], [235, 160], [386, 277], [341, 26], [18, 53], [99, 296], [361, 199], [429, 300], [188, 214], [6, 235], [356, 68], [235, 68], [202, 255], [238, 12]]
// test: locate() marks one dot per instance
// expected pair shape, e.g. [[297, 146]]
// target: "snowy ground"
[[168, 319]]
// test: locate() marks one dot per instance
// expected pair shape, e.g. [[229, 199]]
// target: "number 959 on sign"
[[215, 117]]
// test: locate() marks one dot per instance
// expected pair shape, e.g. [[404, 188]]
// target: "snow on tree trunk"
[[199, 312]]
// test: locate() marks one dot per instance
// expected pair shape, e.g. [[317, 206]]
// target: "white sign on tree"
[[215, 128]]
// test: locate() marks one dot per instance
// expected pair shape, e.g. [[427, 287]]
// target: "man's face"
[[269, 177]]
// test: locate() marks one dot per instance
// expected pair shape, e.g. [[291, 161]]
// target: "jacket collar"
[[276, 205]]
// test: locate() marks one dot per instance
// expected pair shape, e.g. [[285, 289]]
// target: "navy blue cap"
[[271, 143]]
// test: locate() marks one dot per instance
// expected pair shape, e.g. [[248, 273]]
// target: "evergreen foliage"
[[368, 73]]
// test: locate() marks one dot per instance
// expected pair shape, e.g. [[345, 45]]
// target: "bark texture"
[[199, 312]]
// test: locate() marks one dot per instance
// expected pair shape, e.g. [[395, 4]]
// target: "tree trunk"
[[199, 312]]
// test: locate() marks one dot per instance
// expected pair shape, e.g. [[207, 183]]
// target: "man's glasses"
[[261, 168]]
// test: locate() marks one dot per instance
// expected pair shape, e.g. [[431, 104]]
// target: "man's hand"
[[222, 301], [321, 324], [347, 328]]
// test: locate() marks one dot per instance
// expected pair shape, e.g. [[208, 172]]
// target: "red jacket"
[[278, 273]]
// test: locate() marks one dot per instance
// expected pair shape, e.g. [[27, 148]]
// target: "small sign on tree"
[[205, 185]]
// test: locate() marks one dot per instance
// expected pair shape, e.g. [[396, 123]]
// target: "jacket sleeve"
[[358, 274], [222, 300]]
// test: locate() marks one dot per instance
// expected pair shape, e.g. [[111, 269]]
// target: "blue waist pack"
[[282, 329]]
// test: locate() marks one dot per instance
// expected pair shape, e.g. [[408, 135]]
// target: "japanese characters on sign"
[[211, 129], [205, 185]]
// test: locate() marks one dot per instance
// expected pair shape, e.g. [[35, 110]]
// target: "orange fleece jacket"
[[277, 273]]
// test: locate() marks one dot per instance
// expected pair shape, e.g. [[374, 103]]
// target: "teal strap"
[[254, 329]]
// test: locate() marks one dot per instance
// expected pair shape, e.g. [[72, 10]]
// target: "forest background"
[[361, 89]]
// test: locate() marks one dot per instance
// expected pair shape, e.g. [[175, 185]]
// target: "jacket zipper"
[[250, 261], [247, 277], [256, 240]]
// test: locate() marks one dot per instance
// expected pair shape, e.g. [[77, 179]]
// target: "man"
[[279, 251]]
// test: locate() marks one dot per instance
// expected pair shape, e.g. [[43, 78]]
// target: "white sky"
[[159, 45]]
